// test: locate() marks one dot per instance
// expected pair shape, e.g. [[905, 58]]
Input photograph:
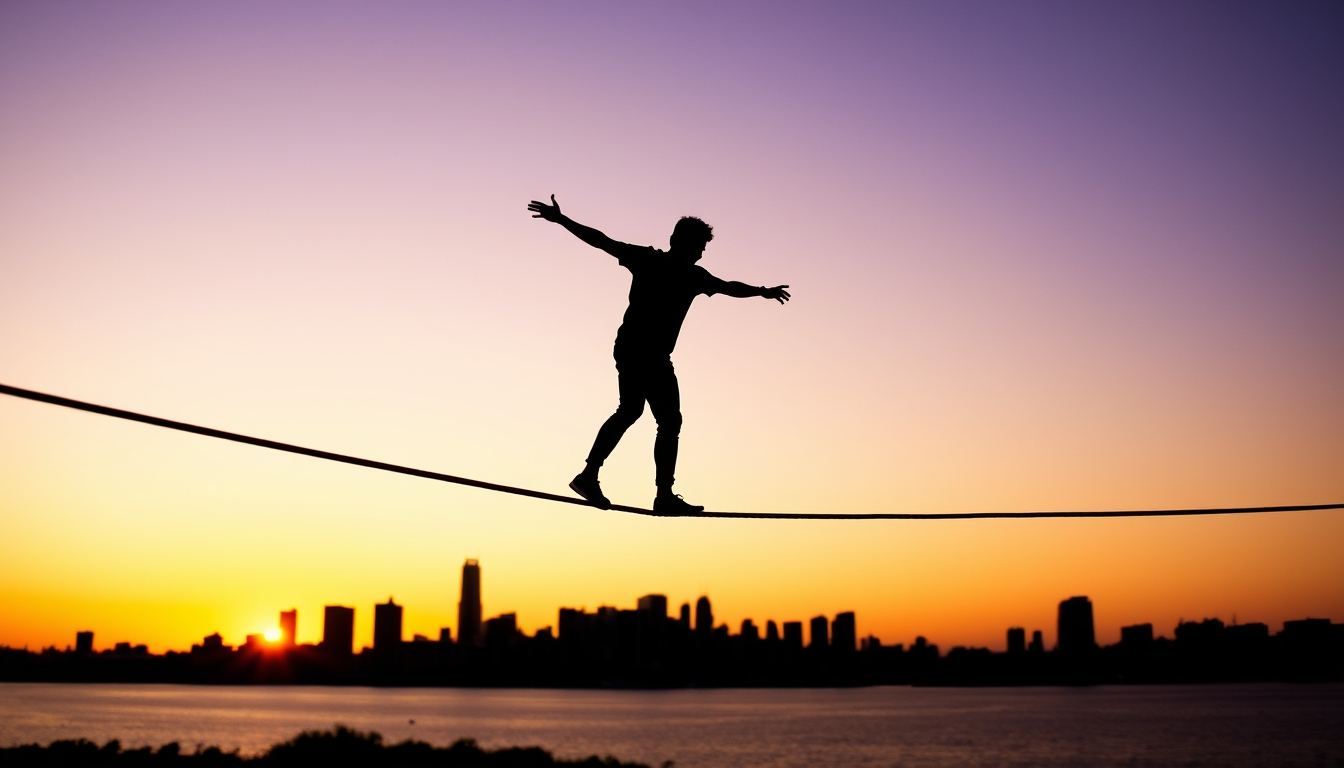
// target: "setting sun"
[[303, 307]]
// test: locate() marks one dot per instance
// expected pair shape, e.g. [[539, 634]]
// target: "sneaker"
[[590, 490], [672, 505]]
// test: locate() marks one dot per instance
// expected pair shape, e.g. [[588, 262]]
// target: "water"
[[1236, 725]]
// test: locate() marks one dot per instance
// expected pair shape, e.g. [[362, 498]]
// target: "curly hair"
[[691, 226]]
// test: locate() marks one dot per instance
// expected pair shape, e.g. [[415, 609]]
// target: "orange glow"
[[1072, 274]]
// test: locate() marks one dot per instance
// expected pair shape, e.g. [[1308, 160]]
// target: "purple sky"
[[1044, 256]]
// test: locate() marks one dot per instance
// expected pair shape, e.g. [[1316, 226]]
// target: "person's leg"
[[664, 398], [665, 402], [628, 412], [630, 383]]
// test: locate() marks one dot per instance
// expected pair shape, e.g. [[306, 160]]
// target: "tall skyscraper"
[[386, 626], [819, 633], [650, 628], [338, 630], [684, 618], [289, 625], [843, 634], [469, 606], [83, 642], [1075, 626], [704, 616], [793, 634], [1017, 640]]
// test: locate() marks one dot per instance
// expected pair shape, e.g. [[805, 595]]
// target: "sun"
[[271, 635]]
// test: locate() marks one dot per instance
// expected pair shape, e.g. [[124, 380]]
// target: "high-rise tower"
[[704, 616], [1075, 626], [820, 632], [338, 630], [1017, 640], [386, 626], [469, 606], [843, 634], [289, 624]]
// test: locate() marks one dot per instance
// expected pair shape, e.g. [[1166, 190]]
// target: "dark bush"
[[340, 746]]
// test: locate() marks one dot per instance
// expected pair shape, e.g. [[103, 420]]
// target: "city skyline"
[[1042, 257], [1075, 628]]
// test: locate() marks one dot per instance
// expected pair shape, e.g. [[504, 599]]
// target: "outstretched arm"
[[744, 291], [588, 235]]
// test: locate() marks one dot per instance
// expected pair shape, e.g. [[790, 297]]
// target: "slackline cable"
[[329, 456]]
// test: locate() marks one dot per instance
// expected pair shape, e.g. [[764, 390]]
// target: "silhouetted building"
[[573, 626], [445, 635], [387, 626], [650, 628], [684, 619], [1137, 636], [469, 606], [289, 625], [704, 616], [871, 643], [338, 630], [501, 631], [1076, 634], [1037, 642], [1306, 647], [820, 633], [1255, 632], [749, 630], [843, 635], [211, 644], [653, 605], [1199, 636], [1242, 636], [625, 648], [923, 650], [1308, 631]]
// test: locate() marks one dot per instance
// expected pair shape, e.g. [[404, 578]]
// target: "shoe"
[[590, 490], [672, 505]]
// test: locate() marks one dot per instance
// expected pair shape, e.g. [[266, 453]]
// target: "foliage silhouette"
[[340, 746]]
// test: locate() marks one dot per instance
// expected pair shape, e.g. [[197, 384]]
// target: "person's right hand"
[[541, 210]]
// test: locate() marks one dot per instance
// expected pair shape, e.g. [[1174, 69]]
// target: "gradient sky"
[[1045, 255]]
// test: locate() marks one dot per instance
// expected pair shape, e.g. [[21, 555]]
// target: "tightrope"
[[274, 445]]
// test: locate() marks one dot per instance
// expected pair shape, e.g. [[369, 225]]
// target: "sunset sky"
[[1044, 256]]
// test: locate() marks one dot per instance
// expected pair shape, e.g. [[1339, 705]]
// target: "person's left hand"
[[777, 293]]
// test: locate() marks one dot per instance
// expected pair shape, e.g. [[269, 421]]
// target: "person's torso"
[[661, 292]]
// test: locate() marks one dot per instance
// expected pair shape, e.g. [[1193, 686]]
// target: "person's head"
[[690, 237]]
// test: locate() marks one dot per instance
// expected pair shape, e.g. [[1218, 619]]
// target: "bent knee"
[[670, 422], [630, 412]]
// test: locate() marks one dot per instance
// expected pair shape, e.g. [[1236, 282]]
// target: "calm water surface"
[[1232, 725]]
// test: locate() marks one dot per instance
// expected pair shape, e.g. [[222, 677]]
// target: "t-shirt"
[[661, 293]]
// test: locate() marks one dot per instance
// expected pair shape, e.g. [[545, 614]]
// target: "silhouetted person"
[[663, 286]]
